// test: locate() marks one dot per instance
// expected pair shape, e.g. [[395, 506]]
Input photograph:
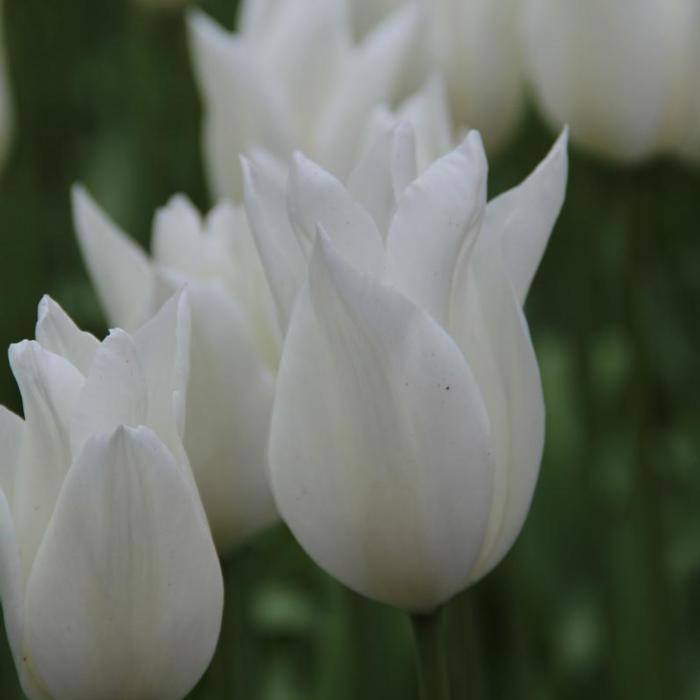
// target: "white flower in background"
[[292, 77], [621, 74], [428, 114], [235, 342], [6, 110], [408, 421], [110, 583], [474, 45]]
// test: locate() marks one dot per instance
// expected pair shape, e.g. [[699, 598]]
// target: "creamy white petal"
[[118, 268], [11, 437], [163, 349], [317, 198], [115, 391], [488, 324], [56, 331], [304, 47], [242, 107], [476, 47], [428, 112], [370, 77], [228, 414], [125, 597], [607, 69], [379, 445], [281, 254], [383, 172], [436, 220], [177, 236], [50, 387], [524, 216], [12, 597], [254, 16]]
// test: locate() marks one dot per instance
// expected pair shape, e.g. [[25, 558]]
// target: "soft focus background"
[[600, 597]]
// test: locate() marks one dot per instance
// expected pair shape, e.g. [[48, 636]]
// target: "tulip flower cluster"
[[340, 342]]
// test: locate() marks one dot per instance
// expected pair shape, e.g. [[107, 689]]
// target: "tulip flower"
[[109, 579], [621, 74], [301, 79], [408, 420], [474, 44], [235, 342]]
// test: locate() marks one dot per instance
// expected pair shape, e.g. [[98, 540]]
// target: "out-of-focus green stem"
[[432, 667]]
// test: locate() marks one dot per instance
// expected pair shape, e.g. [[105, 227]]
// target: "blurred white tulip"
[[110, 583], [292, 77], [408, 421], [235, 342], [474, 45], [621, 74]]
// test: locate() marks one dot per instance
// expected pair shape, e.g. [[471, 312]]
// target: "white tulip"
[[621, 74], [109, 579], [408, 421], [474, 45], [235, 342], [292, 78]]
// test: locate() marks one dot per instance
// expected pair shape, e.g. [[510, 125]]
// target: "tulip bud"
[[110, 583], [621, 74], [408, 420], [235, 342], [303, 81]]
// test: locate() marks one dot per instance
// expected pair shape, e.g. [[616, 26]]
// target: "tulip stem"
[[432, 666]]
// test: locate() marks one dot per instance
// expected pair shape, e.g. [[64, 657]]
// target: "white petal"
[[119, 269], [177, 236], [56, 331], [488, 324], [12, 597], [163, 349], [524, 216], [115, 391], [435, 222], [383, 172], [228, 413], [242, 107], [379, 445], [370, 77], [476, 47], [607, 69], [11, 437], [428, 112], [254, 17], [50, 387], [317, 198], [125, 598], [304, 47], [281, 255]]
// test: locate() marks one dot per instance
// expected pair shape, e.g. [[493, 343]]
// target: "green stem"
[[432, 666]]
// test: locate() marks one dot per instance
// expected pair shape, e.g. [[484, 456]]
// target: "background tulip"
[[408, 420], [235, 342], [621, 74], [474, 45], [303, 81], [110, 583]]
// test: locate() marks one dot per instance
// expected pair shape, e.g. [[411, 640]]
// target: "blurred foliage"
[[600, 597]]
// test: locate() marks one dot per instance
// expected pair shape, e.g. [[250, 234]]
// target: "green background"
[[600, 597]]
